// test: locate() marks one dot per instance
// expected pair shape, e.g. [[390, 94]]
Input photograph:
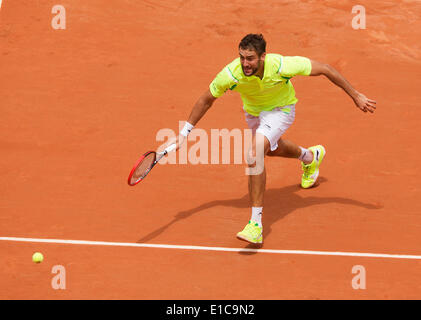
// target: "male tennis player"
[[264, 83]]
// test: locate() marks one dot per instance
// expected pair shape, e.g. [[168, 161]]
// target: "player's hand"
[[365, 104]]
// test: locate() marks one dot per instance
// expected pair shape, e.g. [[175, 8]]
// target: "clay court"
[[80, 105]]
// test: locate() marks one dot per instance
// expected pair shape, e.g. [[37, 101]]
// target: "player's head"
[[252, 49]]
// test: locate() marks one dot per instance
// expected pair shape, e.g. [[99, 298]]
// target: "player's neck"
[[260, 73]]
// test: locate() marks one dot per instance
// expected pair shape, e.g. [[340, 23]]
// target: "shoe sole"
[[245, 239]]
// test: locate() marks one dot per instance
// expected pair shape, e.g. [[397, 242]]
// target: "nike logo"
[[317, 155], [267, 126]]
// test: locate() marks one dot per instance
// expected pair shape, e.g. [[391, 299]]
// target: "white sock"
[[306, 156], [256, 215]]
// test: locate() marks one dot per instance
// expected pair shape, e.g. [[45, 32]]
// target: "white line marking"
[[184, 247]]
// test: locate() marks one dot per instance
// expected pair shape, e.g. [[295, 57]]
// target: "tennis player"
[[264, 83]]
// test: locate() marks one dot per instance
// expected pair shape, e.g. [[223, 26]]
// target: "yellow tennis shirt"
[[274, 90]]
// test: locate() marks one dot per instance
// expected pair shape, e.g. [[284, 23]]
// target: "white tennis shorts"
[[272, 124]]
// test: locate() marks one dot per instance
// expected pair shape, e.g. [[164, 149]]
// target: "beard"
[[251, 71]]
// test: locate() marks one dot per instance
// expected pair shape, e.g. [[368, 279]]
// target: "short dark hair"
[[254, 42]]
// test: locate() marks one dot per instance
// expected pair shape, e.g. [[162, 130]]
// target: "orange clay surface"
[[79, 106]]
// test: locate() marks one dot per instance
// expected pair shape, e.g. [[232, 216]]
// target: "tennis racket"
[[145, 164]]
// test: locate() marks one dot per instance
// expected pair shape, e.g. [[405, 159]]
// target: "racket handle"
[[170, 148]]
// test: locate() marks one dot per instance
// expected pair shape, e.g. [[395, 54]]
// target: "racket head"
[[141, 168]]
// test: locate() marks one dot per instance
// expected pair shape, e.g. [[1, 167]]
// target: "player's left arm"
[[333, 75]]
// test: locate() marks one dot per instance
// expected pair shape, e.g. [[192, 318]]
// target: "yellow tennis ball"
[[37, 257]]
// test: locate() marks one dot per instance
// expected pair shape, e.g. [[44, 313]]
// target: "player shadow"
[[278, 204]]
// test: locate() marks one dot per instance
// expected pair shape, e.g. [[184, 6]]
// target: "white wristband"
[[186, 130]]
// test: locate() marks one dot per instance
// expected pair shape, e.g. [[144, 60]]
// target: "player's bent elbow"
[[328, 69], [318, 68]]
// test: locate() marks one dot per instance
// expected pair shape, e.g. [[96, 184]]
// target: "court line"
[[241, 250]]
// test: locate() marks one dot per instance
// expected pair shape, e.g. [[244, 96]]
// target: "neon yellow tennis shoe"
[[311, 171], [251, 233]]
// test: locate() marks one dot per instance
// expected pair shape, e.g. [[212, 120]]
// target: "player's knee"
[[255, 154], [279, 151], [251, 157]]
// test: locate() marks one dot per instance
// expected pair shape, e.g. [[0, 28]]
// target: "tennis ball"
[[37, 257]]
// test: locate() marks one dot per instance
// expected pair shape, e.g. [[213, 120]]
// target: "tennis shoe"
[[251, 233], [311, 171]]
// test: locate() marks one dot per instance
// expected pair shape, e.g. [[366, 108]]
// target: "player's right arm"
[[222, 82], [201, 106]]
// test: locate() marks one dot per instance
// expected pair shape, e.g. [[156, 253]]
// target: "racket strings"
[[143, 168]]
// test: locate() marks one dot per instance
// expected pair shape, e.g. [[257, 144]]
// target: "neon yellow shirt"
[[274, 90]]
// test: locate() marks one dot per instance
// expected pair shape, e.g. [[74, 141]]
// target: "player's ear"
[[262, 57]]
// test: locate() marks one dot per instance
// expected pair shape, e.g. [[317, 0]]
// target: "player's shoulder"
[[230, 74], [295, 65], [273, 62], [234, 69], [227, 78], [273, 57]]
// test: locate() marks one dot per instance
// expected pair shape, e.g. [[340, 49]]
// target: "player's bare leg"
[[256, 184], [288, 149], [311, 159]]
